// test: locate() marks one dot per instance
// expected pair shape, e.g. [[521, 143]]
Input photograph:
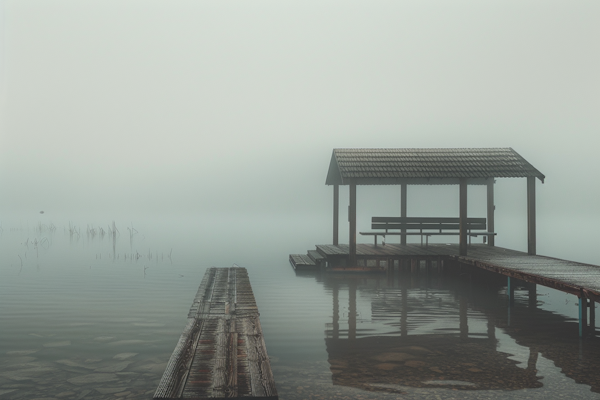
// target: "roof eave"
[[334, 177]]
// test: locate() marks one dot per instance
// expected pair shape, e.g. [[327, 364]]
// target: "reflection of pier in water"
[[423, 339], [549, 334]]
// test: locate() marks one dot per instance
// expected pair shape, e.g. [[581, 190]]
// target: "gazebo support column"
[[490, 210], [463, 216], [403, 210], [531, 242], [336, 213], [352, 220]]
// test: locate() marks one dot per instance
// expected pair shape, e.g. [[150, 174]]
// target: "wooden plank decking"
[[389, 250], [567, 276], [301, 261], [221, 353]]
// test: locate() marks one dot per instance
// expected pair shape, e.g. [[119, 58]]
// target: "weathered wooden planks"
[[301, 261], [221, 353], [568, 276]]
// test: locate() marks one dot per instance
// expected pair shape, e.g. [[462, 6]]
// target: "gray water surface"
[[95, 316]]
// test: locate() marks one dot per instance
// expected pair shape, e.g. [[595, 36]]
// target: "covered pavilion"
[[430, 166]]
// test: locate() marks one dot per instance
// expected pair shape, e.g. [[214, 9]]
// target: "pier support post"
[[490, 210], [532, 361], [463, 217], [352, 220], [491, 331], [593, 318], [532, 295], [403, 210], [352, 310], [414, 265], [510, 291], [463, 319], [336, 213], [404, 311], [531, 240], [582, 314]]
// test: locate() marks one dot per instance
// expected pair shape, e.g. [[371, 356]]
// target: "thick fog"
[[227, 111]]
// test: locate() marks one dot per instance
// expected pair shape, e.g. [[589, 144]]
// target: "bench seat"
[[426, 226]]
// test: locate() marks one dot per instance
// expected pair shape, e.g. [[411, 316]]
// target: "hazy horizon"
[[231, 109]]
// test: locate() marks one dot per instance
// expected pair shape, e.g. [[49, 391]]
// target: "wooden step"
[[301, 261], [315, 256]]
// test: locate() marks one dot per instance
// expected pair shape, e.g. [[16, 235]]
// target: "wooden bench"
[[426, 226]]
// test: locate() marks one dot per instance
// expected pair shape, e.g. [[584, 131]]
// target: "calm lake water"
[[87, 315]]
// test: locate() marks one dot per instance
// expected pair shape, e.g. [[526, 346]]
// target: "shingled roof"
[[426, 166]]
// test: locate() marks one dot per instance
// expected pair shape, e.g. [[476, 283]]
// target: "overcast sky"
[[213, 107]]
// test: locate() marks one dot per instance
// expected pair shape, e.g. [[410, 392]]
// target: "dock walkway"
[[568, 276], [221, 353]]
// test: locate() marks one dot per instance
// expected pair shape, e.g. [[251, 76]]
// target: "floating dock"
[[221, 353]]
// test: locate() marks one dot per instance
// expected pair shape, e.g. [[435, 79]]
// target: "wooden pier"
[[221, 353], [462, 167], [579, 279]]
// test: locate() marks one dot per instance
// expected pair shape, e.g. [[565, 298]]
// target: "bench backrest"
[[421, 223]]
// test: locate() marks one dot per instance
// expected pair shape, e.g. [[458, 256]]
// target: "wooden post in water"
[[582, 314], [403, 210], [531, 243], [414, 263], [336, 312], [532, 295], [336, 213], [490, 210], [463, 319], [463, 217], [510, 291], [352, 220], [593, 317], [352, 310], [491, 330], [532, 361], [404, 311]]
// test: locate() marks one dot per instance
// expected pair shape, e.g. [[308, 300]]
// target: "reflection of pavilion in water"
[[422, 337]]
